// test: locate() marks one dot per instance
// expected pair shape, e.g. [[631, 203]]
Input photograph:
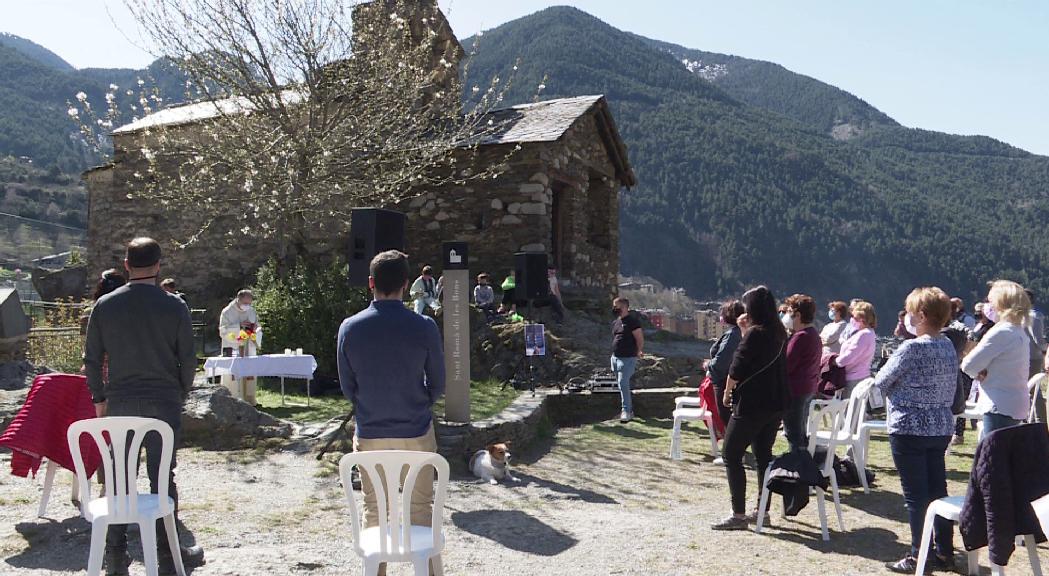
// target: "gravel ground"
[[594, 501]]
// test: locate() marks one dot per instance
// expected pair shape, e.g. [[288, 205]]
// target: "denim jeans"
[[624, 368], [759, 432], [923, 475], [993, 421], [794, 422], [171, 413]]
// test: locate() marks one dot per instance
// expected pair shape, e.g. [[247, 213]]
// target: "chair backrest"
[[1041, 510], [392, 474], [119, 441], [857, 407], [831, 416]]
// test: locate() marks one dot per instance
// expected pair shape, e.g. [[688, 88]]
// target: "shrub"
[[56, 341], [303, 308]]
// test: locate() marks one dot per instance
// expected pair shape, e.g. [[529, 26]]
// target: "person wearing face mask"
[[837, 317], [240, 315], [628, 344], [804, 350], [919, 382], [857, 350], [1001, 361], [903, 331]]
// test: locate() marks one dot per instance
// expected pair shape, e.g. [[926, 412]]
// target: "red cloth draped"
[[39, 429], [709, 399]]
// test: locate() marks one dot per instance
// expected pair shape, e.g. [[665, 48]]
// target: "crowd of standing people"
[[770, 363]]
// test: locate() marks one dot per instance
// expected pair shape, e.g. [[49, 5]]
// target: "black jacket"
[[760, 367], [1010, 470]]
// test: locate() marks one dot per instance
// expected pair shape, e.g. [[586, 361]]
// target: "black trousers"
[[758, 431], [724, 411], [171, 413]]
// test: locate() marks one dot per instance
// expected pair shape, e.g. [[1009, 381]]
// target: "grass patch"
[[321, 408], [487, 398]]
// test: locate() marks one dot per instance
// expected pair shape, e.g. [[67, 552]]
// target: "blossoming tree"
[[302, 112]]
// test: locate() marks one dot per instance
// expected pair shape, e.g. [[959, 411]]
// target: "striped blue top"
[[919, 382]]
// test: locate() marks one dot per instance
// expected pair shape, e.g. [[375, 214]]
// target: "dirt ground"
[[593, 501]]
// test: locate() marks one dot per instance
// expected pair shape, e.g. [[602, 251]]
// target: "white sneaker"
[[625, 416], [719, 461]]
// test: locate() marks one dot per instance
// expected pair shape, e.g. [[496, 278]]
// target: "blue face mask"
[[830, 315]]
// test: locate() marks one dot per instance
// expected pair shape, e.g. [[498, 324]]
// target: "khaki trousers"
[[422, 493]]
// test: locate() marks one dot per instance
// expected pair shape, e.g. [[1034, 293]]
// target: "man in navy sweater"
[[391, 367]]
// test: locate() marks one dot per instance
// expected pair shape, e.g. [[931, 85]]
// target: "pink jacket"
[[856, 354]]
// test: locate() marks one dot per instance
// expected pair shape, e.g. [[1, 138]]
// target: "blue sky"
[[958, 66]]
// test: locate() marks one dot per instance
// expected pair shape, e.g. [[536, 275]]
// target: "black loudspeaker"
[[13, 321], [530, 273], [372, 230]]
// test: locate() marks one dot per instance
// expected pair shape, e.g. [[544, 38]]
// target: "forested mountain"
[[740, 185], [36, 87]]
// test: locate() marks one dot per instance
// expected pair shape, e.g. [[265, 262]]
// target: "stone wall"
[[513, 212]]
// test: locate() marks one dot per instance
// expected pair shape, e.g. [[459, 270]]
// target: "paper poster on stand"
[[535, 340]]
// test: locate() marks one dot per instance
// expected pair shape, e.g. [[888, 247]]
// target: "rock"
[[433, 226], [442, 216], [65, 284], [533, 248], [497, 204], [514, 208], [214, 418], [511, 219], [534, 208], [417, 202], [531, 188], [17, 375], [10, 403], [541, 178]]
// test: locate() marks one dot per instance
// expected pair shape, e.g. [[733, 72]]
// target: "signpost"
[[456, 311]]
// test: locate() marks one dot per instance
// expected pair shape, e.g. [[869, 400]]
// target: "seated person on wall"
[[237, 318], [484, 296], [168, 284]]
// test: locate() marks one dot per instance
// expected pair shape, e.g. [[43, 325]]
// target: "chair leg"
[[371, 567], [176, 551], [861, 465], [821, 506], [49, 481], [1032, 553], [923, 551], [973, 560], [147, 530], [764, 501], [837, 501], [98, 548], [421, 566], [675, 441], [438, 565], [74, 495]]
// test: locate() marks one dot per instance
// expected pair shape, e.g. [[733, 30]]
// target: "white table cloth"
[[274, 365]]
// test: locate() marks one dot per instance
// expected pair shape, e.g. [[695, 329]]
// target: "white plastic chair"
[[119, 440], [1041, 510], [833, 412], [849, 434], [49, 480], [696, 414], [687, 402], [395, 539], [951, 509]]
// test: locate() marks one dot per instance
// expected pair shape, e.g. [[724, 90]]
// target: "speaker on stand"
[[372, 231]]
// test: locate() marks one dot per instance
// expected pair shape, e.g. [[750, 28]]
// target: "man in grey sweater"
[[140, 362]]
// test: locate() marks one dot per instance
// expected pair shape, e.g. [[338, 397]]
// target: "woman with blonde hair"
[[919, 382], [858, 349], [1002, 359]]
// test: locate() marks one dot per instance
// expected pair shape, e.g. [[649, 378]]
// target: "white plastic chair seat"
[[687, 402], [422, 542], [951, 509], [148, 507], [692, 415]]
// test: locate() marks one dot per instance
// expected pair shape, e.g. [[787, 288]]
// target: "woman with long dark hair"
[[111, 280], [757, 391]]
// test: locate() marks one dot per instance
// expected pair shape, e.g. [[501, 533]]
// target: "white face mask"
[[831, 316], [908, 323], [788, 321]]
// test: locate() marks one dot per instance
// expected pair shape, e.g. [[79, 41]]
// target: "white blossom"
[[114, 87], [73, 112], [81, 96]]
